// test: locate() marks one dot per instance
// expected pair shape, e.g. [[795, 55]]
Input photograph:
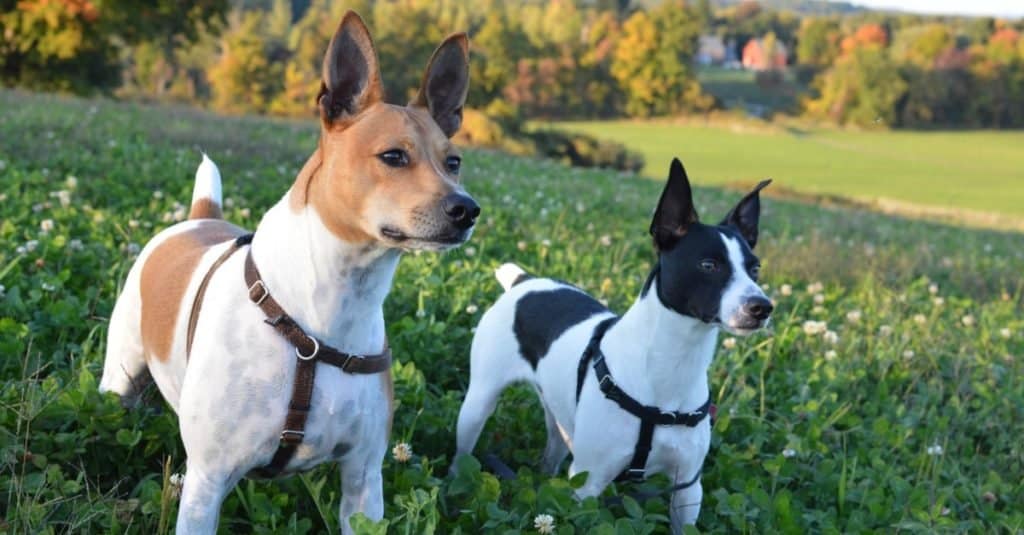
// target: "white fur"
[[233, 395], [207, 184], [657, 356], [507, 274], [740, 288]]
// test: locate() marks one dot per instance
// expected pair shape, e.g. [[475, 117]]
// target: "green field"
[[948, 171], [909, 420]]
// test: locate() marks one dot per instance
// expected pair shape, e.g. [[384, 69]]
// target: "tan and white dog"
[[383, 179]]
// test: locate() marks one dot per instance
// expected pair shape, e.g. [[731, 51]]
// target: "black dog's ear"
[[675, 211], [743, 217], [351, 74], [446, 83]]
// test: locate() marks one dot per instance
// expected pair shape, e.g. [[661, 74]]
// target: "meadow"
[[886, 397], [969, 176]]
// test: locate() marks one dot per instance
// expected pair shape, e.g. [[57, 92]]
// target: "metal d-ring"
[[311, 356]]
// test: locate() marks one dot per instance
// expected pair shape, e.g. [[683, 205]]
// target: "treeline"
[[914, 73]]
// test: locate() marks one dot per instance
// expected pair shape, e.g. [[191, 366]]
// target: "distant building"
[[755, 57], [711, 50]]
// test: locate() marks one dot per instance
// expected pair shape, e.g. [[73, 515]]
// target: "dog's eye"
[[394, 158], [453, 163], [755, 270], [708, 265]]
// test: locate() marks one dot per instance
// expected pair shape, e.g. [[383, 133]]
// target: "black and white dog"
[[627, 395]]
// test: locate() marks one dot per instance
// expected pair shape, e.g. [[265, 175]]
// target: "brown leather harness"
[[308, 351]]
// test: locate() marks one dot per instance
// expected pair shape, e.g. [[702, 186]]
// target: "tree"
[[73, 45], [244, 80], [818, 42], [652, 61]]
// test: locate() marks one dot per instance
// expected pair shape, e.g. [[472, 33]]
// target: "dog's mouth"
[[744, 325], [435, 242]]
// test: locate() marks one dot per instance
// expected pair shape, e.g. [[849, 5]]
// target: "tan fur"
[[205, 209], [387, 383], [165, 277], [344, 178]]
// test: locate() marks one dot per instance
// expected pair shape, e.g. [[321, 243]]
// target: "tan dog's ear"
[[351, 74], [445, 83]]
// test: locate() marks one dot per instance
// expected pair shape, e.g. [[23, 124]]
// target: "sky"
[[999, 8]]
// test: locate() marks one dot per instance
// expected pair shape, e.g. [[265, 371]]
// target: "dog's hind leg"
[[125, 372], [685, 506], [201, 498], [477, 407], [556, 449]]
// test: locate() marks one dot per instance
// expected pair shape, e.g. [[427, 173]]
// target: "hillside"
[[904, 421]]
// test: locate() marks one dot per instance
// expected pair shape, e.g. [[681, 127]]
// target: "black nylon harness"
[[649, 416]]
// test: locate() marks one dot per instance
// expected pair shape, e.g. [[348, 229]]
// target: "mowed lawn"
[[977, 171]]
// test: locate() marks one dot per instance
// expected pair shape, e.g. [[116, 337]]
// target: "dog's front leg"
[[201, 497], [362, 489], [686, 506]]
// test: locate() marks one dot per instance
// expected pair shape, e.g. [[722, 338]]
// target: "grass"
[[907, 422], [939, 172], [738, 88]]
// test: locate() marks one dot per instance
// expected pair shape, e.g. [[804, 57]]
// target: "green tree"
[[244, 80], [864, 88], [818, 42], [652, 61], [74, 45]]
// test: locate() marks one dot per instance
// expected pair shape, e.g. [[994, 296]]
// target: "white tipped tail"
[[206, 195], [507, 274]]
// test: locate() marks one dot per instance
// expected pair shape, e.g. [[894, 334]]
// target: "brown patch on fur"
[[165, 277], [387, 384], [205, 208]]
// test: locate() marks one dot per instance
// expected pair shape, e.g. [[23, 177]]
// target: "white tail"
[[206, 195], [507, 274]]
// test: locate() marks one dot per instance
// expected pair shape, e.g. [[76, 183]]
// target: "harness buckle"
[[291, 436], [635, 473], [311, 356], [263, 296], [602, 379]]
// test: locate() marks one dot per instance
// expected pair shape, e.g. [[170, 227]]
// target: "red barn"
[[756, 58]]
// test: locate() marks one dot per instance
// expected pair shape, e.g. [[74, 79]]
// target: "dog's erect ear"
[[675, 211], [746, 213], [445, 83], [351, 75]]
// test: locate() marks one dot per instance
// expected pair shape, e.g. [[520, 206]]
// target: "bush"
[[582, 150]]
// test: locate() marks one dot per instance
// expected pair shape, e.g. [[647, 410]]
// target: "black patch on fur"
[[541, 317]]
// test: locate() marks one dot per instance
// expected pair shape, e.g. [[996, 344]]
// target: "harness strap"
[[197, 302], [649, 416], [308, 351]]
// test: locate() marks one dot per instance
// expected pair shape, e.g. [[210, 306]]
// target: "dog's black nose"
[[461, 209], [758, 307]]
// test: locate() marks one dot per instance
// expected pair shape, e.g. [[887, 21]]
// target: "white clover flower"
[[245, 212], [470, 251], [853, 316], [908, 353], [37, 207], [546, 242], [938, 301], [76, 245], [3, 290], [789, 452], [179, 214], [933, 288], [818, 309], [815, 288], [63, 197], [819, 299], [133, 223], [420, 313], [45, 226], [47, 287], [831, 337], [580, 207], [20, 249], [133, 248], [402, 452], [521, 245], [471, 309], [934, 450], [158, 194], [967, 320], [31, 245], [920, 319], [885, 330], [812, 327], [176, 482], [606, 240], [544, 523], [729, 343], [71, 181], [3, 165], [831, 354], [1005, 332], [786, 290]]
